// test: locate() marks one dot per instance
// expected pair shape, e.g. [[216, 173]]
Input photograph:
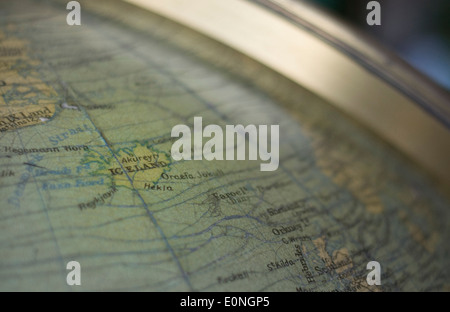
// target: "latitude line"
[[149, 213], [66, 88], [192, 93], [45, 210]]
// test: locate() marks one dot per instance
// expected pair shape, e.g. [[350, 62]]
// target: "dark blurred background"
[[417, 30]]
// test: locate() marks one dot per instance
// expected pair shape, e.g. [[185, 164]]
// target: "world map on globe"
[[87, 173]]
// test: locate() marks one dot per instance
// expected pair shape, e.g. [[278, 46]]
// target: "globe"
[[88, 179]]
